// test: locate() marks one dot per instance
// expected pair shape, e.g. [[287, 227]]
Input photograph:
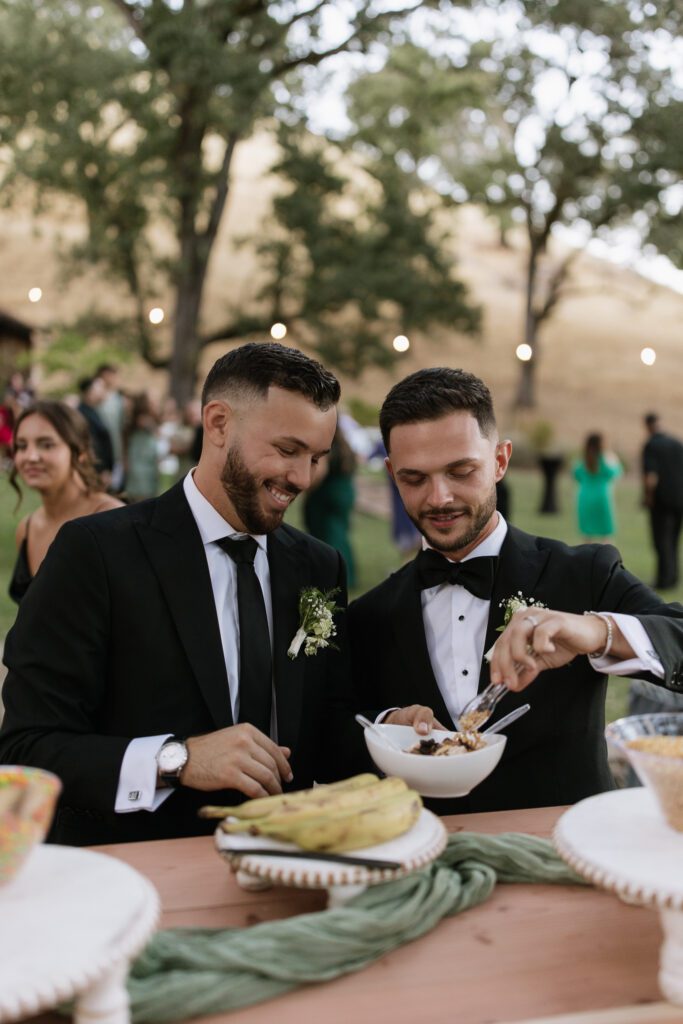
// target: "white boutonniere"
[[511, 605], [316, 625]]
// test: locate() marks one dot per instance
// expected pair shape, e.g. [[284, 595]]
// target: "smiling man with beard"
[[418, 639], [148, 666]]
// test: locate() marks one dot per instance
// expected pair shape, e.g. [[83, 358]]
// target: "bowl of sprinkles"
[[27, 803]]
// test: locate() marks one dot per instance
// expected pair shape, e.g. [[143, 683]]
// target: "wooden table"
[[530, 953]]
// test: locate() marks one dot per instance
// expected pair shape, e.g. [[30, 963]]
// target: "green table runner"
[[187, 972]]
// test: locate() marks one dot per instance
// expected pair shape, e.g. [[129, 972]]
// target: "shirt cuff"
[[383, 714], [645, 657], [137, 789]]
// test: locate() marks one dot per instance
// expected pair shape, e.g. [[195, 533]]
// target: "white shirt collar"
[[490, 546], [211, 524]]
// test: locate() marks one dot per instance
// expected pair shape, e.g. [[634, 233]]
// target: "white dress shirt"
[[455, 625], [137, 788]]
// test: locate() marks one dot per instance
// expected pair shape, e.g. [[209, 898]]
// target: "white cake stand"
[[71, 921], [620, 841]]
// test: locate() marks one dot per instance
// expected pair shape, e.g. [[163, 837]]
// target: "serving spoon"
[[381, 736], [507, 719]]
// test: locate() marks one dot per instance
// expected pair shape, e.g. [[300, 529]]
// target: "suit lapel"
[[174, 547], [519, 568], [411, 644], [288, 563]]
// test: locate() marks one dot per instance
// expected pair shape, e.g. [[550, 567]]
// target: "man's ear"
[[503, 453], [390, 471], [217, 419]]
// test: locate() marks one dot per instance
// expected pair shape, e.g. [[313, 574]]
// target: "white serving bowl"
[[450, 776]]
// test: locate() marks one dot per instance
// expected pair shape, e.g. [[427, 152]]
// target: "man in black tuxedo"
[[148, 666], [418, 639], [663, 497]]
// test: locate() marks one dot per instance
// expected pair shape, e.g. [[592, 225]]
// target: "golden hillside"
[[590, 377]]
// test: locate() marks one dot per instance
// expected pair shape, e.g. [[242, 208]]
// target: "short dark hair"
[[433, 393], [251, 369], [85, 383], [106, 368], [651, 419]]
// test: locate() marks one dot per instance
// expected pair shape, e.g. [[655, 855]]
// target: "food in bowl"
[[459, 743], [432, 776], [653, 744], [664, 772], [27, 802]]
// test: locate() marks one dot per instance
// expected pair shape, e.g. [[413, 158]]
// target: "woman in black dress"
[[52, 455]]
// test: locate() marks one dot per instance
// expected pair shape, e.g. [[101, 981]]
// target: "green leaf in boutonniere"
[[511, 605], [316, 622]]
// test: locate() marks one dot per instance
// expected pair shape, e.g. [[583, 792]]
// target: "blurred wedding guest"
[[595, 474], [19, 391], [112, 412], [142, 465], [663, 497], [329, 503], [93, 392], [52, 455]]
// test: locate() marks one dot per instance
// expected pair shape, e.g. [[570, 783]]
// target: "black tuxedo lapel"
[[519, 567], [288, 562], [411, 642], [175, 550]]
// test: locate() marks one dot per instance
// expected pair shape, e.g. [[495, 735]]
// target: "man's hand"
[[421, 718], [239, 757], [537, 639]]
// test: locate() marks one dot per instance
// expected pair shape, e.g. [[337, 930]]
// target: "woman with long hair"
[[595, 473], [52, 455]]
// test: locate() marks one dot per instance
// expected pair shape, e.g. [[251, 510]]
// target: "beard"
[[243, 490], [477, 517]]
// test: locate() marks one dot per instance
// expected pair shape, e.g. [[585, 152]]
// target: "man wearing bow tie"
[[419, 638]]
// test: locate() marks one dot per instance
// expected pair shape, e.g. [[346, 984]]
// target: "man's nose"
[[440, 492], [300, 473]]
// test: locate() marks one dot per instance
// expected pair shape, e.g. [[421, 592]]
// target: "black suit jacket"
[[555, 754], [118, 638]]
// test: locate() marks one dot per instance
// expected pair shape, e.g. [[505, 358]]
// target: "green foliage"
[[570, 118], [356, 258], [71, 355], [363, 412], [136, 110]]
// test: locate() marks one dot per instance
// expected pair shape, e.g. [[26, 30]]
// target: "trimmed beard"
[[480, 515], [243, 490]]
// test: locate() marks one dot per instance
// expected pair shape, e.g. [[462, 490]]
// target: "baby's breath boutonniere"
[[316, 625], [511, 605]]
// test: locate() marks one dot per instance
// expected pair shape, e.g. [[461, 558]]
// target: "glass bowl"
[[27, 803], [653, 745]]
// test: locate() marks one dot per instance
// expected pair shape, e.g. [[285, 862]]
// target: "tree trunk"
[[526, 389], [186, 341]]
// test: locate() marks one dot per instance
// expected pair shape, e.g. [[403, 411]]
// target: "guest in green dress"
[[595, 474], [329, 503]]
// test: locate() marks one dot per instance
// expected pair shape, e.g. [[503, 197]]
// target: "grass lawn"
[[376, 556]]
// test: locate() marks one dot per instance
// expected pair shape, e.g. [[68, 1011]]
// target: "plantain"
[[320, 803], [267, 805], [357, 829]]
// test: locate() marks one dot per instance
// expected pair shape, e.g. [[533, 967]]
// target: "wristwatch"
[[171, 760]]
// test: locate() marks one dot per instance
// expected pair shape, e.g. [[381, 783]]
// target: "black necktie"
[[256, 684], [475, 574]]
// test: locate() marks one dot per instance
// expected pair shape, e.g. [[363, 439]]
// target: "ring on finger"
[[532, 619], [530, 650]]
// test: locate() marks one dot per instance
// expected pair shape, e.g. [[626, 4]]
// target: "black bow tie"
[[475, 574]]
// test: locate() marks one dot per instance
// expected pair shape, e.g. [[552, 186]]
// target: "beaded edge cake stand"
[[72, 920], [621, 842]]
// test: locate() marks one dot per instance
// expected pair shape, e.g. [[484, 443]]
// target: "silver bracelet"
[[610, 635]]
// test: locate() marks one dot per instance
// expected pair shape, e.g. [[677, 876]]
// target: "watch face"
[[172, 757]]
